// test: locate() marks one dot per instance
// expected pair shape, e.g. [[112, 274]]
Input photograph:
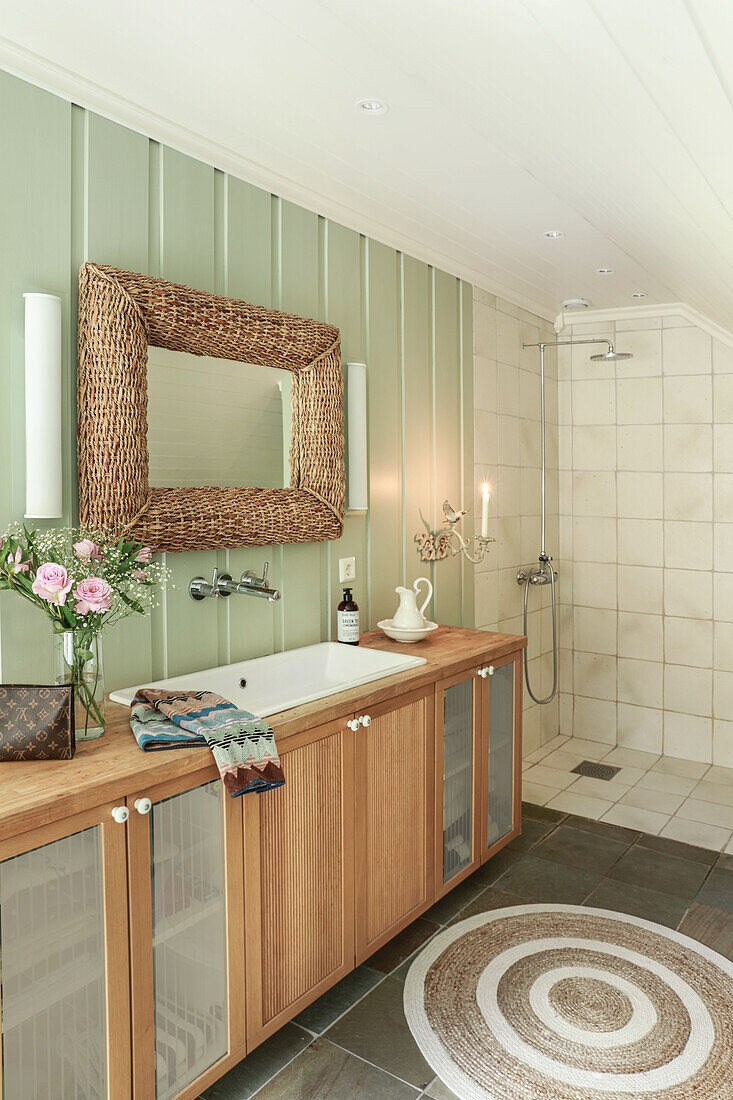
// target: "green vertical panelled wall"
[[76, 186]]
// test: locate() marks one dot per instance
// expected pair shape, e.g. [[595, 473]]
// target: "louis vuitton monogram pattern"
[[36, 722]]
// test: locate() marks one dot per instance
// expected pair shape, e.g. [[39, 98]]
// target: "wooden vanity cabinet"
[[64, 961], [394, 818], [148, 943], [184, 866], [299, 879]]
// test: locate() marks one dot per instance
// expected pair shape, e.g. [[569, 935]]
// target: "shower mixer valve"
[[538, 574]]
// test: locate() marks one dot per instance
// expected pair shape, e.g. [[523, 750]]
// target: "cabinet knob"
[[482, 672], [491, 670], [143, 805], [365, 720], [120, 814], [353, 724]]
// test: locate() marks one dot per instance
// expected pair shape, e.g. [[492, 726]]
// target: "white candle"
[[484, 511]]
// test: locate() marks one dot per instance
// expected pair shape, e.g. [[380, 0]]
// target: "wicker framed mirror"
[[120, 315]]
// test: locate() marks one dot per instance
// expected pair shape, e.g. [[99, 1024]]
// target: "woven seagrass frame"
[[120, 314]]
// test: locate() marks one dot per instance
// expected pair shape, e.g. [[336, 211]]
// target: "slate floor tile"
[[455, 900], [493, 869], [718, 890], [546, 880], [542, 813], [639, 902], [249, 1075], [375, 1029], [491, 898], [578, 848], [401, 972], [532, 832], [336, 1000], [439, 1091], [710, 926], [602, 828], [403, 945], [671, 847], [326, 1072], [658, 871]]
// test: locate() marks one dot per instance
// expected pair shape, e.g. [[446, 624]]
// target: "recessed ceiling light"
[[604, 271], [372, 106], [638, 294], [553, 234], [576, 303]]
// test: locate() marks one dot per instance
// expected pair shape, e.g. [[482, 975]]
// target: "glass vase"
[[78, 661]]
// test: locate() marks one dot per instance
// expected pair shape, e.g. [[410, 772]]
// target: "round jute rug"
[[559, 1002]]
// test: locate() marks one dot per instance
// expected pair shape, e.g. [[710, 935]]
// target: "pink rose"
[[86, 550], [52, 583], [16, 565], [92, 594], [144, 554]]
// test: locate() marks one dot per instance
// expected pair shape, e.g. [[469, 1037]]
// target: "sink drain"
[[596, 771]]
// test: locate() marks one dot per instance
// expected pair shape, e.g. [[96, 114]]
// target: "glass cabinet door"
[[500, 804], [180, 843], [458, 737], [189, 945], [64, 967]]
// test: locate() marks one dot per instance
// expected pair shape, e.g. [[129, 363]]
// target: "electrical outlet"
[[347, 569]]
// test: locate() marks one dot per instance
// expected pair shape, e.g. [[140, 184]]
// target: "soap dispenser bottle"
[[348, 620]]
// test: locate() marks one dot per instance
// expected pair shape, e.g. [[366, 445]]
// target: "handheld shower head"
[[611, 356]]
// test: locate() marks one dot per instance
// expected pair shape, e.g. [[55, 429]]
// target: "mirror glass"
[[217, 422]]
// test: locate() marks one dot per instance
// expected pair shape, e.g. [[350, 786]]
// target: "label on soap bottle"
[[348, 626]]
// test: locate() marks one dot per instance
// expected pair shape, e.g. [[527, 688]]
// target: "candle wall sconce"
[[448, 541]]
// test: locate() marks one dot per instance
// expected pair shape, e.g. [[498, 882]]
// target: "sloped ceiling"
[[611, 120]]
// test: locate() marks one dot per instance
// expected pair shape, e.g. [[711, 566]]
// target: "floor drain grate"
[[596, 771]]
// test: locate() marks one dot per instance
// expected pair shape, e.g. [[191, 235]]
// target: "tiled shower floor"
[[660, 795], [354, 1041]]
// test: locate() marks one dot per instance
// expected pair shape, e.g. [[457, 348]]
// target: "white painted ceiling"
[[609, 119]]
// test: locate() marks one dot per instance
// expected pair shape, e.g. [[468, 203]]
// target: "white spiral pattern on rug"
[[560, 1002]]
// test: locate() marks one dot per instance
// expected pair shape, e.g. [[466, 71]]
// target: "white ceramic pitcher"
[[408, 616]]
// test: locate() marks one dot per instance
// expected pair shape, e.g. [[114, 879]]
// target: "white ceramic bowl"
[[400, 634]]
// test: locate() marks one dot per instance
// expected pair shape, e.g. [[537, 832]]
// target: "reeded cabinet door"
[[458, 758], [187, 930], [299, 880], [64, 977], [502, 760], [395, 812]]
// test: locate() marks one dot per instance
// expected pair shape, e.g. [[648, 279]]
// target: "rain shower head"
[[611, 356]]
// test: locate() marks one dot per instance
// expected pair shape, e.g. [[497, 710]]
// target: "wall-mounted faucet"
[[221, 584]]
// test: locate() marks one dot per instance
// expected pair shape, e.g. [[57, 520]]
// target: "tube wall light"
[[356, 405], [43, 457]]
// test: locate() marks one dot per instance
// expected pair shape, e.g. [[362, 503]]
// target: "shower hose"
[[527, 582]]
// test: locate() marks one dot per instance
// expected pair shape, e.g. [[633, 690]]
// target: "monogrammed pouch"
[[36, 722]]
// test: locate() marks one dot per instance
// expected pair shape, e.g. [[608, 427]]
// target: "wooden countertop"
[[113, 767]]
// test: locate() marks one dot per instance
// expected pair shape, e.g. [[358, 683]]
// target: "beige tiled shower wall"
[[646, 507], [507, 456]]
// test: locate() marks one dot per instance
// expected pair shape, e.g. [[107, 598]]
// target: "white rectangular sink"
[[266, 685]]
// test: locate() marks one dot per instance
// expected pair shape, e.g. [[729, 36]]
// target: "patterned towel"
[[243, 745]]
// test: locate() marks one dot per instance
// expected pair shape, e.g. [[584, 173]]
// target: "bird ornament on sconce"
[[439, 544]]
